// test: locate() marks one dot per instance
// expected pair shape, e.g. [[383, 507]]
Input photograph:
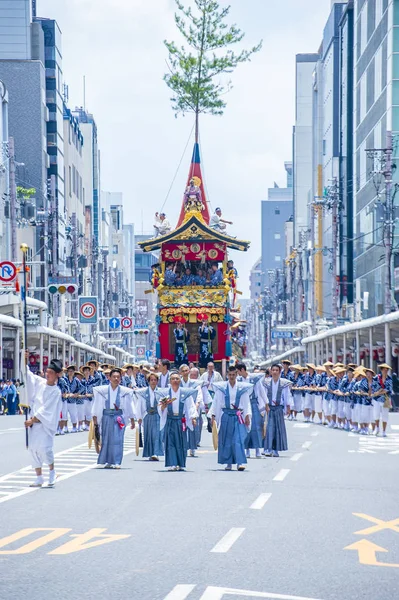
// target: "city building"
[[276, 210], [376, 119], [255, 280]]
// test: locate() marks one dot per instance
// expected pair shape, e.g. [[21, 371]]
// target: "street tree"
[[197, 73]]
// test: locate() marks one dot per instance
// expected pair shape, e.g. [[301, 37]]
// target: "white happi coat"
[[45, 404], [188, 395], [100, 397]]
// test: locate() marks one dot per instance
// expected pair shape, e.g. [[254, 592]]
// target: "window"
[[276, 211], [277, 236], [70, 180], [115, 249], [277, 258]]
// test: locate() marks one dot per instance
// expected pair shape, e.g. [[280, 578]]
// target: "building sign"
[[282, 335]]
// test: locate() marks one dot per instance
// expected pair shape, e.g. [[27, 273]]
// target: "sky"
[[118, 46]]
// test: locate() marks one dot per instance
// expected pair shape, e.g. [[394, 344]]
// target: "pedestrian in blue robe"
[[182, 337], [113, 407], [207, 334], [10, 393], [279, 400], [258, 400], [231, 410], [177, 412], [147, 413]]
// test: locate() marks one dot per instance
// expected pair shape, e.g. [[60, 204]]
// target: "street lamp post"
[[23, 366]]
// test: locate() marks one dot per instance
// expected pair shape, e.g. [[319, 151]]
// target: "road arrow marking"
[[367, 553], [380, 524]]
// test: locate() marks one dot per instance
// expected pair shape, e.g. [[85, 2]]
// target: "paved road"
[[278, 530]]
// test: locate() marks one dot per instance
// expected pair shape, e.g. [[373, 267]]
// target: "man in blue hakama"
[[231, 410], [178, 412], [258, 400], [190, 379], [279, 398], [147, 405], [112, 407], [182, 336]]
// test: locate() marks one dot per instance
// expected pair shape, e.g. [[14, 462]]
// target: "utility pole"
[[333, 201], [382, 166], [13, 200]]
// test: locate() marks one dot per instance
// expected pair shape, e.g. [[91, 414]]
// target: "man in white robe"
[[45, 402], [113, 406]]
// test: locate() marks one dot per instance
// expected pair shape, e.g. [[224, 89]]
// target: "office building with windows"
[[276, 210]]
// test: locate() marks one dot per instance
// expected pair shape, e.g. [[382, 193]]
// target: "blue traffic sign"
[[88, 313], [148, 354], [114, 323], [282, 335]]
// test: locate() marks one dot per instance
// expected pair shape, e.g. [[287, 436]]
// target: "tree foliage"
[[196, 76]]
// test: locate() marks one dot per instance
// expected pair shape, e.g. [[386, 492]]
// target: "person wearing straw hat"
[[310, 384], [346, 388], [87, 385], [320, 381], [258, 400], [333, 385], [96, 374], [382, 401], [356, 400], [74, 389], [297, 390], [365, 390], [287, 373], [327, 394], [340, 373], [231, 411], [147, 413], [113, 406], [279, 400], [129, 379], [44, 397]]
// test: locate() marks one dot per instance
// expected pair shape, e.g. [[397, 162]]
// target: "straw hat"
[[339, 370], [339, 365], [129, 366], [286, 362], [311, 366], [368, 369], [384, 366], [359, 371], [296, 367], [351, 366], [328, 364], [69, 367], [93, 361], [321, 368]]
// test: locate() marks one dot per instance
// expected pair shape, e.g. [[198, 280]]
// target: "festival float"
[[196, 287]]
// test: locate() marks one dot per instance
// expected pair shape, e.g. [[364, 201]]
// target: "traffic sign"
[[148, 354], [282, 335], [88, 313], [114, 323], [8, 271], [126, 322], [140, 350]]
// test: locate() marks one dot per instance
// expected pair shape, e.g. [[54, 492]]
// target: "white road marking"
[[307, 445], [260, 501], [314, 434], [302, 425], [281, 475], [218, 593], [180, 592], [394, 452], [228, 540], [68, 463], [296, 457], [395, 427]]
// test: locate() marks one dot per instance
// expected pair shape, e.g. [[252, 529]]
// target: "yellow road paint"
[[367, 553], [380, 525], [82, 541], [35, 544]]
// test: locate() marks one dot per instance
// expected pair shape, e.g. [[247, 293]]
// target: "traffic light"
[[66, 288]]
